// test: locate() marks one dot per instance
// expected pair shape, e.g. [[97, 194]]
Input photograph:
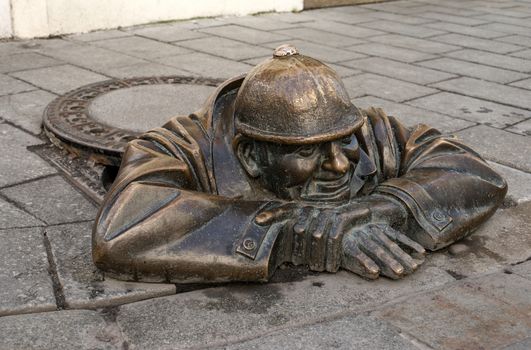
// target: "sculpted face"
[[313, 172]]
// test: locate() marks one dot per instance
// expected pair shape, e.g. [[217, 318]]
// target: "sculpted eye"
[[306, 151]]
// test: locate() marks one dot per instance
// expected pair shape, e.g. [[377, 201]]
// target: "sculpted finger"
[[389, 266], [318, 241], [406, 242], [402, 257], [301, 227], [354, 260]]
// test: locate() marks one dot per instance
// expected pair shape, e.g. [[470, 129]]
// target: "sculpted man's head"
[[295, 126]]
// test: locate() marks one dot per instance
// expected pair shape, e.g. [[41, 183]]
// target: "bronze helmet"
[[294, 99]]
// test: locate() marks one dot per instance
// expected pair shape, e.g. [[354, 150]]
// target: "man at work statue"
[[280, 167]]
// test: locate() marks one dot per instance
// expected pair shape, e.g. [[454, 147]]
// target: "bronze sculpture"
[[279, 167]]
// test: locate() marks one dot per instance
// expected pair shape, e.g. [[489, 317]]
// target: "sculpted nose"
[[336, 161]]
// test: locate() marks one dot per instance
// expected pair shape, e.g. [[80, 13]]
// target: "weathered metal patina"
[[279, 167]]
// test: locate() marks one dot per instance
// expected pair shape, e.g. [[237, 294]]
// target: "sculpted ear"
[[246, 153]]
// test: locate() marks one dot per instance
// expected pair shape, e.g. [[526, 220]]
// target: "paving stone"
[[52, 200], [142, 70], [240, 311], [248, 35], [472, 31], [399, 70], [11, 48], [523, 54], [517, 40], [19, 164], [521, 345], [59, 79], [519, 183], [502, 240], [412, 116], [72, 329], [476, 43], [204, 65], [487, 90], [473, 70], [167, 33], [403, 29], [142, 108], [285, 17], [522, 269], [343, 29], [84, 286], [416, 44], [474, 314], [473, 109], [522, 128], [500, 146], [11, 217], [335, 15], [352, 332], [523, 22], [395, 53], [90, 57], [506, 28], [99, 35], [23, 61], [320, 52], [26, 109], [442, 9], [227, 48], [443, 17], [384, 87], [9, 85], [141, 47], [492, 59], [322, 37], [407, 19], [26, 285], [517, 12], [343, 71], [269, 22]]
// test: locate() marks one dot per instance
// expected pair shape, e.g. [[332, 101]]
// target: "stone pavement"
[[462, 66]]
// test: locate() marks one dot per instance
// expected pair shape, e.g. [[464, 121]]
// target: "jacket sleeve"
[[448, 189], [161, 222]]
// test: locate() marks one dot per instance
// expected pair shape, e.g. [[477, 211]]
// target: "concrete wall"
[[6, 29], [39, 18]]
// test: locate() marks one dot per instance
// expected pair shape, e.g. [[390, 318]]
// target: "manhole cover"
[[96, 121]]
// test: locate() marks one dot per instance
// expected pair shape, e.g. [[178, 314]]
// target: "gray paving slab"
[[269, 22], [444, 17], [9, 85], [395, 53], [248, 35], [237, 312], [141, 47], [522, 128], [473, 109], [519, 183], [343, 71], [320, 52], [166, 32], [343, 29], [399, 70], [497, 18], [142, 70], [473, 70], [500, 146], [502, 240], [26, 109], [26, 285], [467, 30], [395, 17], [520, 345], [294, 18], [24, 61], [13, 217], [412, 116], [142, 108], [472, 314], [509, 95], [476, 43], [59, 79], [204, 65], [52, 200], [84, 286], [336, 15], [99, 35], [19, 164], [11, 47], [517, 40], [321, 37], [440, 8], [523, 54], [72, 329], [384, 87], [416, 44], [226, 48], [522, 269], [87, 56], [352, 332], [492, 59], [403, 29], [506, 28]]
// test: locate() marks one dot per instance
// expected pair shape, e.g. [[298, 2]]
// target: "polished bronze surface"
[[278, 167]]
